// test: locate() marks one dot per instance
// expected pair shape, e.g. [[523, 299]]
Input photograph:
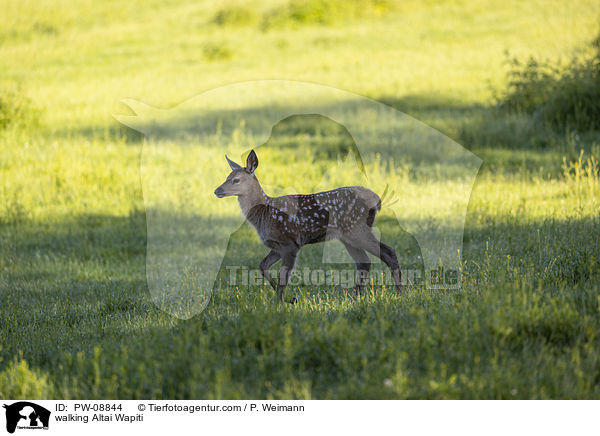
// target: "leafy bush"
[[216, 52], [234, 16], [18, 381], [324, 12], [566, 97], [15, 108], [575, 101], [528, 86]]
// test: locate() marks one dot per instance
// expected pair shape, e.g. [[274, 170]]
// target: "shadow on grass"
[[78, 253], [78, 308], [109, 251], [506, 142]]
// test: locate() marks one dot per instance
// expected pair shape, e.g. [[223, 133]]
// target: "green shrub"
[[15, 108], [575, 100], [528, 87], [234, 16], [18, 381], [567, 97], [322, 12], [216, 52]]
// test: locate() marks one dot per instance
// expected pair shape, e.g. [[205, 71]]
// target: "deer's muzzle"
[[219, 192]]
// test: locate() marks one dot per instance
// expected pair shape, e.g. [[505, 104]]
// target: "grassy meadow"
[[76, 316]]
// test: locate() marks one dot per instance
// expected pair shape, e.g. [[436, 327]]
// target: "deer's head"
[[240, 181]]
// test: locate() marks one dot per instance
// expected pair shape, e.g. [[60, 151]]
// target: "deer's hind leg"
[[287, 266], [366, 240], [363, 265], [267, 263]]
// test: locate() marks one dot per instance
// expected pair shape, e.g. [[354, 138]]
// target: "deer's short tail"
[[371, 217], [372, 201], [373, 212]]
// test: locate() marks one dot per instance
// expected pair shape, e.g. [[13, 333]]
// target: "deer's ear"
[[251, 162], [232, 164]]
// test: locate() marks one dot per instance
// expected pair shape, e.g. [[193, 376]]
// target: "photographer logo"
[[26, 415]]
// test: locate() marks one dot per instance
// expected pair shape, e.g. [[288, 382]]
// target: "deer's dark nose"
[[219, 192]]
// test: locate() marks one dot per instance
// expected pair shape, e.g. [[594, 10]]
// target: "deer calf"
[[287, 223]]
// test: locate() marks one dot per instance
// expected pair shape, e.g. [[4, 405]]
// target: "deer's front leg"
[[287, 266], [267, 263]]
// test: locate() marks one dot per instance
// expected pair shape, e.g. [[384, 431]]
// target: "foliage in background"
[[17, 380], [297, 13], [322, 12], [234, 16], [16, 110], [567, 97], [216, 51]]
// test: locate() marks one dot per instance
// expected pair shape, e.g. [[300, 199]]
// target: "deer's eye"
[[234, 181]]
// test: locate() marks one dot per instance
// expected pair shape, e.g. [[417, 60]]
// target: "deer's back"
[[306, 219]]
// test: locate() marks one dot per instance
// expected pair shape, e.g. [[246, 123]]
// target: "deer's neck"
[[254, 198]]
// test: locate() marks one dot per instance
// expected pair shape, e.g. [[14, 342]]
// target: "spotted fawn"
[[287, 223]]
